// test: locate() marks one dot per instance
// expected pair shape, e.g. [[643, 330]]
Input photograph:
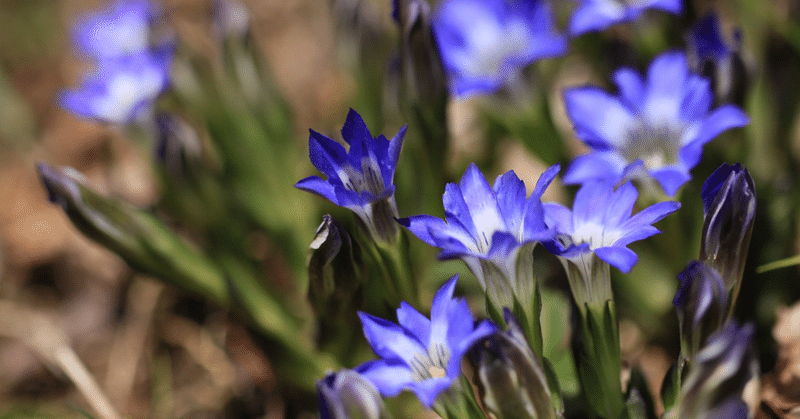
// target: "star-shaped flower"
[[360, 179], [654, 128], [420, 354], [121, 89], [597, 15], [483, 43], [601, 223], [484, 222]]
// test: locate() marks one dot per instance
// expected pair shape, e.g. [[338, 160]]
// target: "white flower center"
[[656, 145], [432, 364], [368, 179], [490, 43]]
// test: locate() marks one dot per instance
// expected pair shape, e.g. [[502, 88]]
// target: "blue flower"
[[701, 303], [121, 89], [419, 354], [483, 43], [601, 223], [597, 15], [655, 128], [361, 179], [347, 394], [484, 223], [122, 29]]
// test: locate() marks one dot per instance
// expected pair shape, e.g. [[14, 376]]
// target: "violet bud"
[[701, 303]]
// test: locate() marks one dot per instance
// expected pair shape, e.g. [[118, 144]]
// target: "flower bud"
[[512, 379], [701, 303], [719, 372], [729, 208], [348, 395]]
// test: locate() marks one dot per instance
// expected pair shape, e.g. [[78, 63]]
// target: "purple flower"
[[601, 223], [361, 179], [121, 29], [487, 227], [597, 15], [654, 128], [121, 89], [712, 56], [483, 43], [419, 354]]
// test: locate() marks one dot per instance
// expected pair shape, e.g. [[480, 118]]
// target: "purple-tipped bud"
[[719, 373], [729, 207], [701, 303], [511, 377], [347, 395]]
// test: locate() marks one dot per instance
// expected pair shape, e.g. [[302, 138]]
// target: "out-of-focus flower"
[[121, 89], [511, 377], [485, 42], [346, 394], [600, 224], [597, 15], [701, 303], [360, 179], [729, 210], [719, 373], [710, 55], [121, 29], [419, 354], [488, 228], [231, 18], [655, 128]]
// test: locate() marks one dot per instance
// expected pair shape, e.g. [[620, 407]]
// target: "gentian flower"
[[729, 211], [597, 15], [419, 354], [361, 179], [347, 394], [122, 29], [121, 89], [701, 303], [717, 59], [655, 128], [490, 229], [600, 224], [485, 42], [718, 374]]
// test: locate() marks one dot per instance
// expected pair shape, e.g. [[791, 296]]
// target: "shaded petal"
[[326, 155], [595, 16], [620, 257], [420, 225], [671, 6], [428, 390], [604, 165], [355, 130], [600, 120], [666, 77], [411, 320], [317, 185], [510, 191], [439, 310], [503, 244], [720, 119], [481, 201], [456, 210], [558, 217], [388, 340], [545, 179], [671, 178], [631, 87], [590, 203], [651, 214], [640, 233], [389, 379], [621, 206], [392, 155]]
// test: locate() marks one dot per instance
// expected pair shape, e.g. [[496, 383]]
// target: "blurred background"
[[156, 351]]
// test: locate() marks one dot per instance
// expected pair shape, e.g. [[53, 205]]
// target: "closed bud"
[[512, 379], [719, 59], [729, 208], [335, 284], [701, 303], [348, 395], [719, 373]]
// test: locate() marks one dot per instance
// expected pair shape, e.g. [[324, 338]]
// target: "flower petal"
[[389, 379], [390, 341], [620, 257], [601, 120]]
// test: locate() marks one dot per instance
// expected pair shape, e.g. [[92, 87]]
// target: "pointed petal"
[[595, 16], [697, 98], [651, 214], [355, 129], [721, 119], [631, 87], [604, 165], [316, 185], [392, 155], [481, 201], [510, 191], [671, 178], [388, 340], [456, 211], [621, 205], [411, 320], [591, 200], [620, 257], [326, 155], [390, 380], [640, 233], [545, 179], [428, 390], [600, 120], [558, 217], [419, 225]]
